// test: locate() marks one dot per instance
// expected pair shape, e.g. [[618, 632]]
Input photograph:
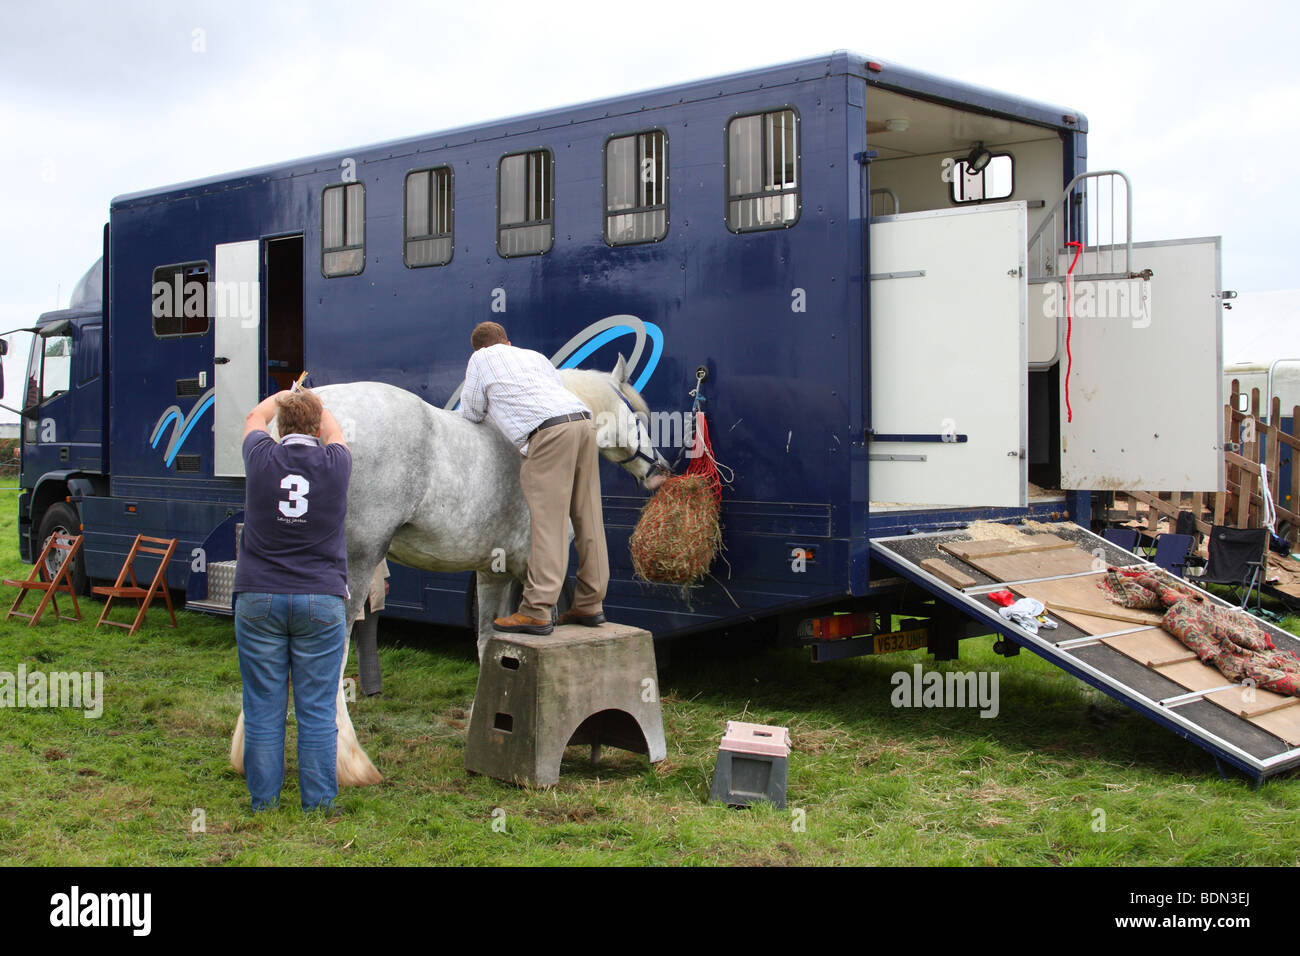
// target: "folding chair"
[[1237, 560], [1126, 538], [1172, 551], [163, 548], [58, 554], [1186, 524]]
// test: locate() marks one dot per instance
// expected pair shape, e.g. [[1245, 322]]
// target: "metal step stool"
[[221, 585], [577, 685], [221, 582]]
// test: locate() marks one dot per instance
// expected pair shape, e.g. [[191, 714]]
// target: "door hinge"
[[1017, 272], [866, 156]]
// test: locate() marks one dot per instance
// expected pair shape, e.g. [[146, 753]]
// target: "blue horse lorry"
[[870, 266]]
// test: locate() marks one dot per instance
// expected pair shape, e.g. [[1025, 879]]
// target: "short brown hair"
[[299, 413], [487, 333]]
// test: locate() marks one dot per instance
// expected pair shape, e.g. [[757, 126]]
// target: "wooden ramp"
[[1122, 651]]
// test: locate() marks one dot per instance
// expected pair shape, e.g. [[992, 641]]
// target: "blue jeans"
[[280, 635]]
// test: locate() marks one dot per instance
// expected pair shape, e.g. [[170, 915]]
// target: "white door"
[[237, 306], [1146, 374], [948, 357]]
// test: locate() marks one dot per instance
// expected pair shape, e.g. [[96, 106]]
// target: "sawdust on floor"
[[998, 531]]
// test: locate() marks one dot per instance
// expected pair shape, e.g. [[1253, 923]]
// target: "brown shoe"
[[586, 620], [522, 624]]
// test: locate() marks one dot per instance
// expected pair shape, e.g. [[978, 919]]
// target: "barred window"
[[526, 203], [181, 296], [343, 229], [428, 230], [636, 188], [763, 171]]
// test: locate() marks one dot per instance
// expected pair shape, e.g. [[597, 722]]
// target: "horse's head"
[[622, 422]]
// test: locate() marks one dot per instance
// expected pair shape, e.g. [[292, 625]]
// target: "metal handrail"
[[1043, 259], [885, 191]]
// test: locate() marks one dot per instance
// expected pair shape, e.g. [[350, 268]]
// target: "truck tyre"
[[62, 518]]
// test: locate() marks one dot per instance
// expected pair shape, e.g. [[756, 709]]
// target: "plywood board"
[[1069, 597], [1151, 648], [997, 546], [1194, 675], [1034, 564], [1123, 614], [1284, 723], [948, 573], [1091, 624], [1265, 701]]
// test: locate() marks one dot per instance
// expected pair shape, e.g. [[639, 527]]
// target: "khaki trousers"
[[561, 480]]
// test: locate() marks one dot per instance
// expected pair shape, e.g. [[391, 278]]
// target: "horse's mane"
[[593, 387]]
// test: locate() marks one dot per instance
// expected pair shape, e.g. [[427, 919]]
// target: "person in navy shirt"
[[290, 589]]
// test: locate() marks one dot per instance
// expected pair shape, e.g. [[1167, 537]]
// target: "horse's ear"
[[620, 370]]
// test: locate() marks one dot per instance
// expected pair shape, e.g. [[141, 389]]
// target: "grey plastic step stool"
[[576, 685], [753, 765]]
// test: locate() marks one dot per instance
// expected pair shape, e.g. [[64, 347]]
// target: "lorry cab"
[[61, 398]]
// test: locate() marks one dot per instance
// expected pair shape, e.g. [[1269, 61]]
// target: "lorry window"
[[994, 181], [88, 354], [343, 229], [526, 203], [428, 220], [56, 365], [763, 171], [181, 299], [636, 188]]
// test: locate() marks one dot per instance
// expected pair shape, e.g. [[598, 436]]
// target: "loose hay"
[[678, 535]]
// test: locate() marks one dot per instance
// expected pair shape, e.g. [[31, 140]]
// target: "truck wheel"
[[62, 519]]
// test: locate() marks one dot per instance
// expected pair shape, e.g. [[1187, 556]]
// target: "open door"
[[1145, 383], [948, 357], [237, 341]]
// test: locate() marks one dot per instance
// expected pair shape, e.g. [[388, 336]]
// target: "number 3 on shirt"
[[297, 486]]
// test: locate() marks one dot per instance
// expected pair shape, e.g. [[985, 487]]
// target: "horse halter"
[[637, 452]]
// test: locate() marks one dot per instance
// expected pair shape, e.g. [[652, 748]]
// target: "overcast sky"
[[1196, 101]]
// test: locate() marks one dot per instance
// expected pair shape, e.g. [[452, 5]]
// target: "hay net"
[[678, 536]]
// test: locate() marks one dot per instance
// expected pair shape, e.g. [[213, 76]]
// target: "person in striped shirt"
[[521, 392]]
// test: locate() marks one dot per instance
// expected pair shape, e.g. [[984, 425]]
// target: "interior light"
[[978, 158]]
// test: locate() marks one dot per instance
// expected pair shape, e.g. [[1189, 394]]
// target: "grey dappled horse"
[[434, 491]]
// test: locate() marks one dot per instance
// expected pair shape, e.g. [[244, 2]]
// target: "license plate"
[[901, 640]]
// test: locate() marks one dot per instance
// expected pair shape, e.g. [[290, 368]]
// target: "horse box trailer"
[[873, 266]]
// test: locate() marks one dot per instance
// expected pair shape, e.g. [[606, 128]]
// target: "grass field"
[[871, 784]]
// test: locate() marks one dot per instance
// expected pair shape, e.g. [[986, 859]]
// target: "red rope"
[[1069, 325], [703, 463]]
